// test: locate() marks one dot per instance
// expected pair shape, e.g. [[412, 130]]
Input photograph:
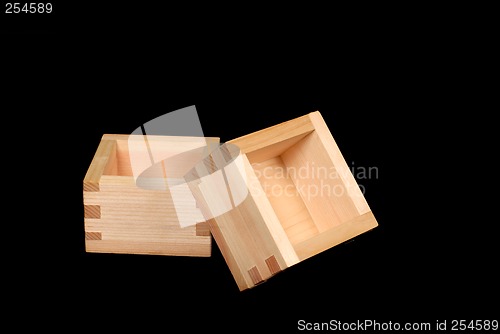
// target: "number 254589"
[[32, 7]]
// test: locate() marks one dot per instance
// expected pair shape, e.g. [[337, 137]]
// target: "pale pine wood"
[[289, 207], [274, 150], [274, 135], [105, 151], [250, 226], [332, 204], [199, 247], [259, 237], [270, 217], [269, 232], [123, 218], [336, 235], [338, 161]]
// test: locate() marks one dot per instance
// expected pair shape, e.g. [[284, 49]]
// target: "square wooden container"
[[121, 217], [302, 199]]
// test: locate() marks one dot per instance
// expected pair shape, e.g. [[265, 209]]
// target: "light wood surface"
[[336, 235], [299, 197], [286, 200], [288, 215], [121, 217]]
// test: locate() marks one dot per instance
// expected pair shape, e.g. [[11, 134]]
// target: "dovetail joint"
[[93, 236], [202, 230], [92, 211], [273, 265], [255, 275], [92, 187]]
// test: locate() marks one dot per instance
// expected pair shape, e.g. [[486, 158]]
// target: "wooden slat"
[[338, 161], [336, 235], [265, 210], [228, 255], [274, 134], [285, 200], [199, 247], [275, 149], [319, 183], [96, 169]]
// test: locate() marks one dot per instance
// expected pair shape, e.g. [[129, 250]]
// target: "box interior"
[[298, 176], [303, 187], [160, 159], [119, 161]]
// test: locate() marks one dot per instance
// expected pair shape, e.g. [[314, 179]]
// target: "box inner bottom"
[[297, 199]]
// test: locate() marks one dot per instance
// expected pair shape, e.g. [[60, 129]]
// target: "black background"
[[391, 92]]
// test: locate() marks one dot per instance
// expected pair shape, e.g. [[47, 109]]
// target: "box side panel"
[[320, 183], [103, 161], [336, 235], [122, 218], [244, 224], [285, 200], [333, 151], [267, 138], [250, 250], [175, 247]]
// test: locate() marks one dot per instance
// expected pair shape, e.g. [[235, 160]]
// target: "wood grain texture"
[[338, 162], [336, 235], [319, 183], [105, 150], [255, 275], [90, 186], [292, 211], [273, 265], [247, 233], [285, 200], [268, 137], [202, 229], [269, 215], [92, 211], [228, 254], [198, 247], [245, 242], [121, 217], [93, 235]]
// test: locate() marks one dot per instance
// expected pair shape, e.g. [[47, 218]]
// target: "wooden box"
[[300, 198], [121, 217]]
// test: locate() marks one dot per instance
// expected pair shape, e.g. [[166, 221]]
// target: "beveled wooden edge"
[[107, 146], [339, 162], [274, 134], [96, 169], [336, 235], [108, 136]]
